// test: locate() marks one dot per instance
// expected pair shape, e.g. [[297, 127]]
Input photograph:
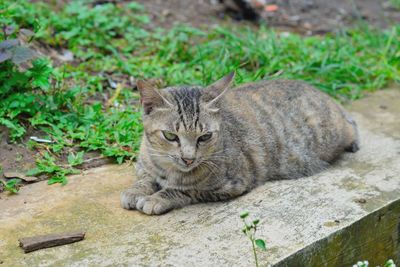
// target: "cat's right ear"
[[215, 91], [150, 98]]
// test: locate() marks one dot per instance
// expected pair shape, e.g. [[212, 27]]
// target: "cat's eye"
[[170, 136], [205, 137]]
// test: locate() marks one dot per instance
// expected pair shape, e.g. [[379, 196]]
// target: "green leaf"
[[34, 172], [58, 179], [135, 6], [16, 129], [261, 244], [40, 73], [244, 214], [256, 221], [75, 159], [74, 171], [71, 159], [120, 160], [12, 185], [390, 263]]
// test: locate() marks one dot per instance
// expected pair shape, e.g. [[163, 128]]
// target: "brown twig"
[[29, 244]]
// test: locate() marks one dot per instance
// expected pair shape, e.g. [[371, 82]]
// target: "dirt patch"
[[165, 14], [304, 16], [15, 157], [18, 157]]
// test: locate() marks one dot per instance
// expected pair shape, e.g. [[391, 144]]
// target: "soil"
[[14, 157], [304, 16], [19, 158]]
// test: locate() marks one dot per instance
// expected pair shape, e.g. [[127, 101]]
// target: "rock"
[[67, 55], [361, 200], [166, 12], [11, 174], [27, 33]]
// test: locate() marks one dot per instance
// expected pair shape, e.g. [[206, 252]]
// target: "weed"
[[395, 3], [389, 263], [250, 230], [58, 174], [75, 159], [11, 185], [18, 83]]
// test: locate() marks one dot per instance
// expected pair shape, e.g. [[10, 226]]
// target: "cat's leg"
[[169, 198], [145, 186], [354, 147], [353, 144]]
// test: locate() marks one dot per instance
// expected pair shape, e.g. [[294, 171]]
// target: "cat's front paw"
[[154, 205], [129, 199]]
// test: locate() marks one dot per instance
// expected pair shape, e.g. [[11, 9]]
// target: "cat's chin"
[[186, 168]]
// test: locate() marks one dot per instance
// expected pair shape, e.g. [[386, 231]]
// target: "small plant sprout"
[[250, 230], [361, 264], [389, 263], [11, 186]]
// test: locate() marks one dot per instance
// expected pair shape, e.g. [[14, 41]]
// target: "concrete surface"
[[347, 213]]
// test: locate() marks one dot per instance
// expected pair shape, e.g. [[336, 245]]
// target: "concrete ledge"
[[347, 213], [375, 236]]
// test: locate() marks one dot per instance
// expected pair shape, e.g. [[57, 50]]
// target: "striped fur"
[[260, 131]]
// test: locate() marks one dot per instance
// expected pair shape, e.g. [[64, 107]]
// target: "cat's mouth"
[[187, 168]]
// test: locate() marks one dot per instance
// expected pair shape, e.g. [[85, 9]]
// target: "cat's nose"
[[187, 161]]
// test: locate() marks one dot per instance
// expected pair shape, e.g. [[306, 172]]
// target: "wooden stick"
[[29, 244]]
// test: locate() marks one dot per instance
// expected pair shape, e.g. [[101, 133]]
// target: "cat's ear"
[[213, 92], [150, 98]]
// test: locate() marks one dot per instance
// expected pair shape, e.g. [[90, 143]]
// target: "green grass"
[[75, 106], [395, 3]]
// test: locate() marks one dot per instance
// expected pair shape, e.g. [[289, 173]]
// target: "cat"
[[215, 143]]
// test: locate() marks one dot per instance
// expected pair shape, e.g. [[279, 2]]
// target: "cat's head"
[[182, 124]]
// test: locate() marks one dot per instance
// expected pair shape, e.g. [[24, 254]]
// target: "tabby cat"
[[212, 144]]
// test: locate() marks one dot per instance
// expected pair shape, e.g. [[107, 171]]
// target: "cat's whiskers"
[[221, 154], [211, 166], [157, 155], [157, 151], [218, 157]]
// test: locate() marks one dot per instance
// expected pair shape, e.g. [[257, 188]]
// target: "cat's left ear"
[[150, 98], [215, 91]]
